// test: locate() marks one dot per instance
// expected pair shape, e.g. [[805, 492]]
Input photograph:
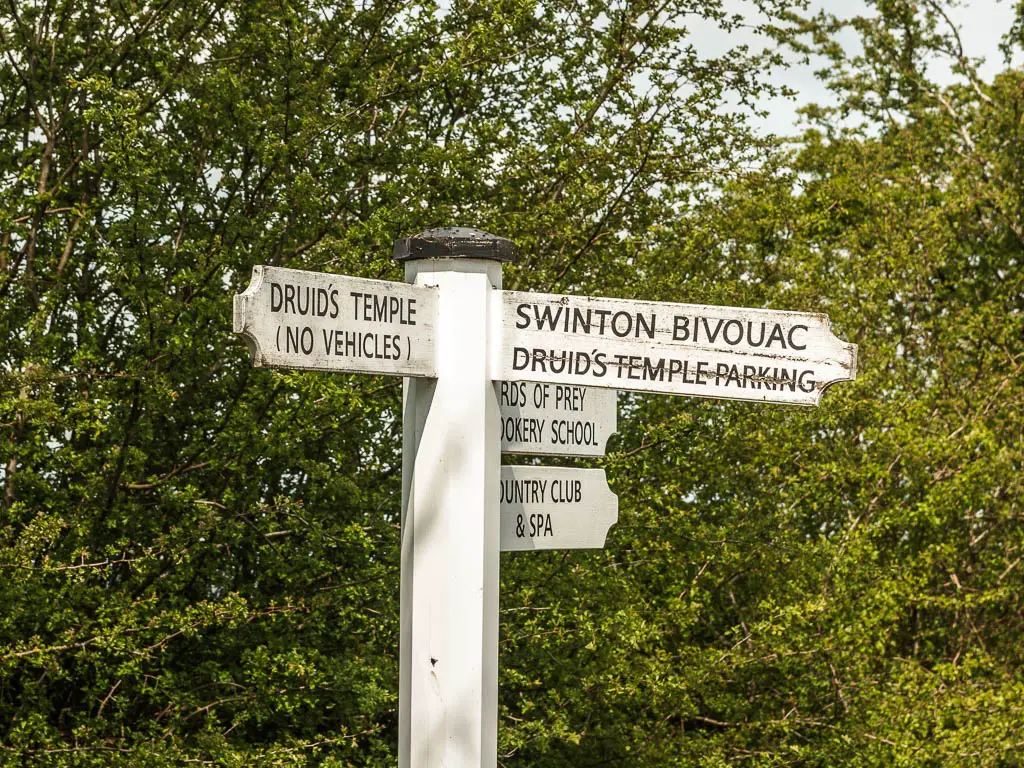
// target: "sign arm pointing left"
[[320, 321], [243, 306]]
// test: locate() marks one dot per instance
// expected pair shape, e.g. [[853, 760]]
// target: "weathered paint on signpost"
[[315, 320], [555, 508], [681, 349], [555, 419], [458, 507]]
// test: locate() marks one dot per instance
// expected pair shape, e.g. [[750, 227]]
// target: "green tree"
[[838, 586], [199, 560]]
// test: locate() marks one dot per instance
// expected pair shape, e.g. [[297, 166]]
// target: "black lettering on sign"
[[545, 317], [304, 300], [513, 394], [680, 328], [654, 371], [529, 491], [559, 360], [298, 339], [369, 307], [676, 367], [635, 366], [566, 491], [540, 395], [520, 430], [573, 432], [703, 372], [358, 344], [721, 372], [540, 525], [537, 360], [735, 332], [622, 324], [569, 398], [582, 363], [793, 344], [750, 375], [787, 380], [523, 311], [771, 378], [520, 358], [620, 361]]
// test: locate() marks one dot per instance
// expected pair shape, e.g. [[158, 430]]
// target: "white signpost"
[[677, 349], [555, 419], [555, 508], [296, 319], [490, 370]]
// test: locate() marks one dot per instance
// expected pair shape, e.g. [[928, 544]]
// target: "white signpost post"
[[555, 419], [490, 371]]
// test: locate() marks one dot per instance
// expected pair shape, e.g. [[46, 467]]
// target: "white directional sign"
[[555, 419], [555, 508], [681, 349], [297, 319]]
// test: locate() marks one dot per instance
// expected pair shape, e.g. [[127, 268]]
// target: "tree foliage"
[[199, 561]]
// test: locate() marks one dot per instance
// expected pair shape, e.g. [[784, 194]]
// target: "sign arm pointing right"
[[698, 350]]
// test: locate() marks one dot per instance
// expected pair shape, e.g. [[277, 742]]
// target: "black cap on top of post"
[[454, 243]]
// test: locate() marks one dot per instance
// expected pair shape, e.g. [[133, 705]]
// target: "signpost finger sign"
[[555, 419], [314, 320], [555, 508], [680, 349]]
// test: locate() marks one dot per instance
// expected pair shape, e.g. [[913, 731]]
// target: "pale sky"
[[982, 24]]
